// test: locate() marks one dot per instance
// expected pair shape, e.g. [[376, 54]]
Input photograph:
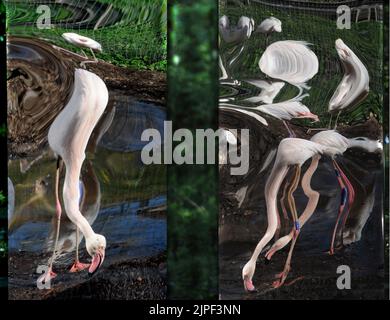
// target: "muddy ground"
[[135, 279], [311, 277], [145, 85]]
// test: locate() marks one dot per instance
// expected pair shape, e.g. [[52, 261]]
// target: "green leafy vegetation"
[[138, 39]]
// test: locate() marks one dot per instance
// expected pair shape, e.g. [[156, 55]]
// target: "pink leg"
[[283, 275], [50, 274], [344, 195], [77, 265], [351, 196]]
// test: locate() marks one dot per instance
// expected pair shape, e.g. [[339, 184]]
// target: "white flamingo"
[[292, 152], [269, 26], [68, 138], [83, 42], [354, 86], [234, 35]]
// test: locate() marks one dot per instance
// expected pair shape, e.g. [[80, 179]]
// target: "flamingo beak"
[[248, 285], [309, 115], [97, 261], [315, 118]]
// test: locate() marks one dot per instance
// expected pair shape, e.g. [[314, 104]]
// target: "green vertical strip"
[[386, 139], [3, 153], [192, 189]]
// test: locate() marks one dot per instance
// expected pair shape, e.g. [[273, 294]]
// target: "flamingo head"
[[308, 115], [343, 51], [96, 246], [247, 275]]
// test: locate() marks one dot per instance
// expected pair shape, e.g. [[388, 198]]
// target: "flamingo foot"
[[47, 276], [278, 283], [248, 285], [281, 278], [78, 266], [333, 250]]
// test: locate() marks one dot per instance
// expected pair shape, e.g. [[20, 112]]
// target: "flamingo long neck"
[[367, 145], [271, 191], [71, 195], [310, 207]]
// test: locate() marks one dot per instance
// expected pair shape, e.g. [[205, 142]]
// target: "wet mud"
[[140, 278]]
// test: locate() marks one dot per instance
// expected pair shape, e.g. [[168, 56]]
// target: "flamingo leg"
[[290, 131], [82, 64], [85, 55], [309, 210], [351, 197], [337, 118], [77, 265], [282, 199], [49, 274], [93, 55], [283, 275], [271, 191], [330, 121], [344, 195]]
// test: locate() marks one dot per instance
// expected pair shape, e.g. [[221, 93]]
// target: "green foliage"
[[137, 40], [364, 38], [192, 198]]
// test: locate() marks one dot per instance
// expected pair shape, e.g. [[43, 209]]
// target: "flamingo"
[[292, 152], [354, 86], [286, 111], [234, 35], [83, 42], [68, 137], [339, 144], [268, 26], [269, 91]]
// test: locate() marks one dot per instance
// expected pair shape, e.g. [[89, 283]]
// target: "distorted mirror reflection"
[[311, 95]]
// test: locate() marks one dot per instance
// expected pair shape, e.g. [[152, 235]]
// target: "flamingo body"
[[354, 86], [68, 138], [270, 25], [82, 41]]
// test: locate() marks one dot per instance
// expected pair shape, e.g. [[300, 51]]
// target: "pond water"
[[243, 218], [122, 198]]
